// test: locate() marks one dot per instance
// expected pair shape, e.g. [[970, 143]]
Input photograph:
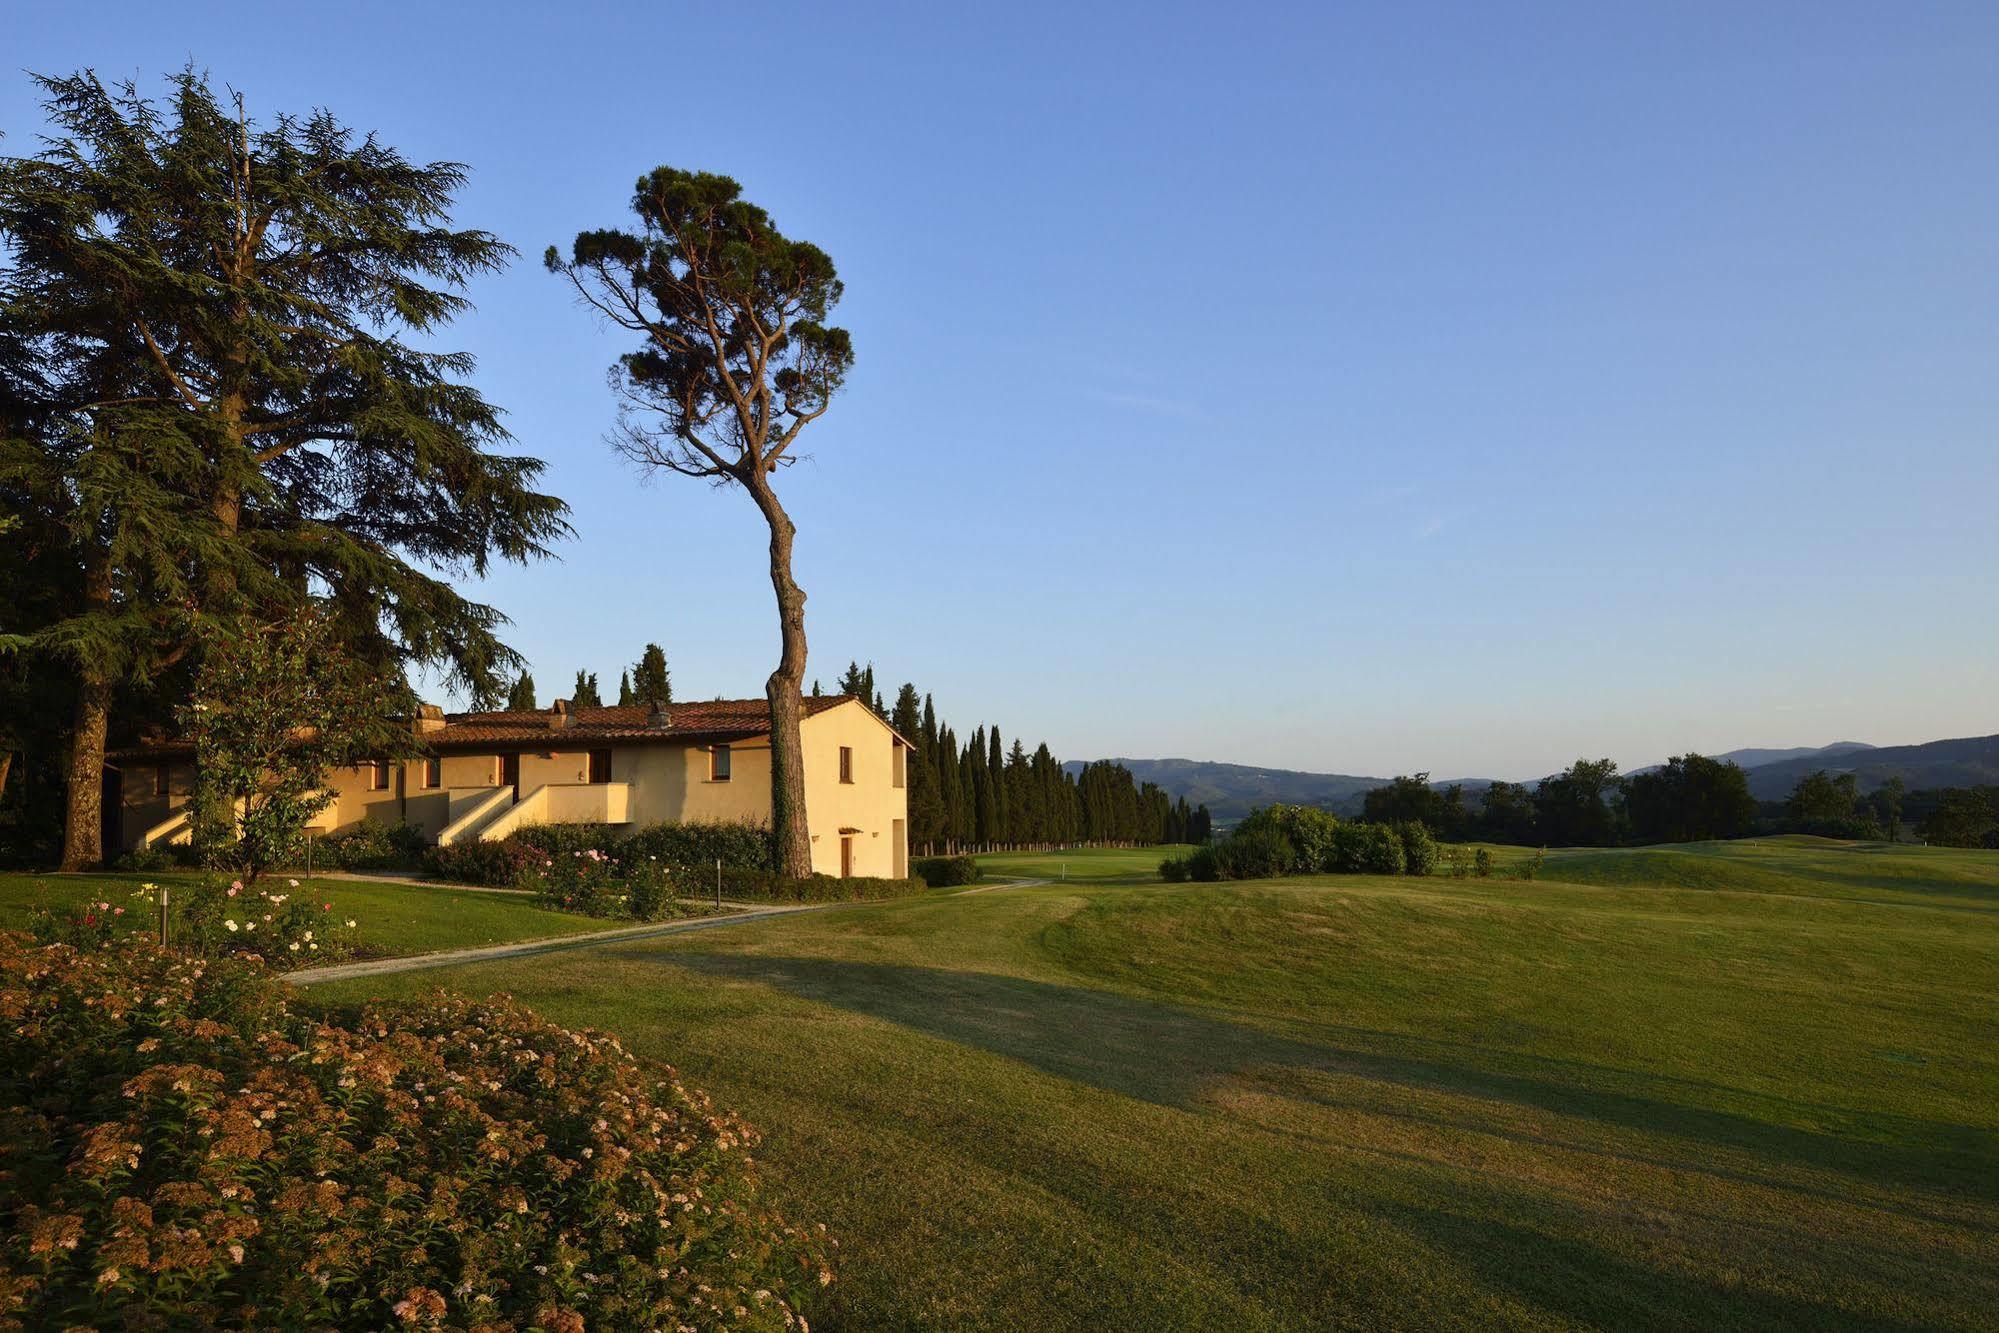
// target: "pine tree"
[[520, 699], [264, 289], [584, 693], [625, 699], [852, 682], [735, 360], [651, 684]]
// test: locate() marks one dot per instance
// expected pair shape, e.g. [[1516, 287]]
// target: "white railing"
[[175, 828], [469, 825], [564, 803]]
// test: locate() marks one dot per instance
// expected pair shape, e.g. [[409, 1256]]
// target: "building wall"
[[670, 783], [871, 803]]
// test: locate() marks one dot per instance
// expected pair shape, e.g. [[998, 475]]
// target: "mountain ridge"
[[1231, 791]]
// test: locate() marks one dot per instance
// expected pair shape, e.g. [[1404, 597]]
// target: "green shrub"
[[185, 1151], [946, 872], [578, 881], [562, 839], [500, 865], [765, 886], [649, 894], [738, 846], [1205, 863], [1307, 830], [1255, 852], [1420, 855], [144, 860], [1482, 862], [1381, 850], [374, 845], [1174, 869]]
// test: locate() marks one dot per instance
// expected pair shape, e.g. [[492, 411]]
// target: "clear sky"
[[1351, 387]]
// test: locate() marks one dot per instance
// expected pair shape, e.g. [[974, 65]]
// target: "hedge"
[[946, 872], [764, 886], [183, 1149]]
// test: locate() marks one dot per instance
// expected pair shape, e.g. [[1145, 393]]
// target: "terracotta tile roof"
[[715, 718], [712, 719]]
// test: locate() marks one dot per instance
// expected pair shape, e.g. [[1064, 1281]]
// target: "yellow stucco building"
[[488, 774]]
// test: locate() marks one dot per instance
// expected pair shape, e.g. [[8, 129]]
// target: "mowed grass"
[[391, 920], [1355, 1102], [1081, 864]]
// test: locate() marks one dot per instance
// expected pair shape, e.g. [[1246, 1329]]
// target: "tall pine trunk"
[[83, 832], [83, 827], [790, 837]]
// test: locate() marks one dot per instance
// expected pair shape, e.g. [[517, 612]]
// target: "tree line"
[[1690, 798], [646, 682], [982, 793]]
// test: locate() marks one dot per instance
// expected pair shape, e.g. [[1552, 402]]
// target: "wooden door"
[[846, 858], [510, 773]]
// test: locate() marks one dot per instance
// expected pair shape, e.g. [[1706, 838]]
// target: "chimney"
[[429, 718], [558, 716], [658, 719]]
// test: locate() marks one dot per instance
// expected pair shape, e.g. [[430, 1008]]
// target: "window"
[[846, 763], [898, 763], [433, 772], [378, 775], [718, 763], [600, 766], [159, 779]]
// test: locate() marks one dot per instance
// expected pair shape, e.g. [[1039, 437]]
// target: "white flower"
[[293, 946], [308, 935], [350, 923], [292, 882], [230, 924]]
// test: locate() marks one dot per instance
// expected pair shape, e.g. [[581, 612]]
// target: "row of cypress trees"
[[981, 794]]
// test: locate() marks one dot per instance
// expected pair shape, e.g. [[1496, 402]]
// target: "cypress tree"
[[520, 699], [584, 693], [624, 689], [652, 685]]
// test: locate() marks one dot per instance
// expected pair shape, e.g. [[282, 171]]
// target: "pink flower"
[[234, 889], [236, 884]]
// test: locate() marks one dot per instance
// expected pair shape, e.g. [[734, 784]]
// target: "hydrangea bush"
[[180, 1148]]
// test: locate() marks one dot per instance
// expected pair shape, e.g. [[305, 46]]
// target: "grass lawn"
[[1354, 1102], [1082, 864], [393, 919]]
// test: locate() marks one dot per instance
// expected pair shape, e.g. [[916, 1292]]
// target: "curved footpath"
[[375, 967]]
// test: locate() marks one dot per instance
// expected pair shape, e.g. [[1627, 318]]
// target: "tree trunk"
[[83, 828], [83, 834], [791, 839]]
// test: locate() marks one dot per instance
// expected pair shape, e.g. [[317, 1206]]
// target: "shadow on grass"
[[1169, 1056], [1594, 1288]]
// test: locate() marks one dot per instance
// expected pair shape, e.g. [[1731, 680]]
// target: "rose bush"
[[180, 1148]]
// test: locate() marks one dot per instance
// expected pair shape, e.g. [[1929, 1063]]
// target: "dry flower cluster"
[[179, 1147]]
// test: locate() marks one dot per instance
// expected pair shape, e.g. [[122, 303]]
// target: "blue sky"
[[1365, 388]]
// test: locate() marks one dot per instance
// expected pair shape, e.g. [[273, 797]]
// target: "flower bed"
[[181, 1148]]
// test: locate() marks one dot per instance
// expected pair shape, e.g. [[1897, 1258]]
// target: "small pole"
[[308, 853], [718, 883], [163, 916]]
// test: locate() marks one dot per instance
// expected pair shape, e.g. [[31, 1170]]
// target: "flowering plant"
[[282, 926], [187, 1151], [578, 881]]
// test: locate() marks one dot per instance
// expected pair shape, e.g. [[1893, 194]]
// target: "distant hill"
[[1966, 762], [1231, 791], [1759, 758]]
